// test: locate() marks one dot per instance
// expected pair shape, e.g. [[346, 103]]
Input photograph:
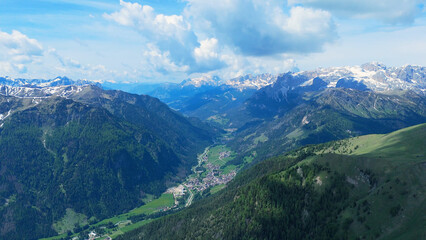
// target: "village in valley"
[[210, 175], [212, 172]]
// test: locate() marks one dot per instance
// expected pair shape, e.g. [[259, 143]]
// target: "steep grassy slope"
[[369, 187]]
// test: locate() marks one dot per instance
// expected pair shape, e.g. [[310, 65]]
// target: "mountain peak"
[[375, 76], [242, 82], [40, 83], [41, 88], [373, 66], [252, 81], [205, 80]]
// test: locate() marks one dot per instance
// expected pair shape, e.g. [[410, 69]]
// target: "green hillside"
[[66, 163], [368, 187]]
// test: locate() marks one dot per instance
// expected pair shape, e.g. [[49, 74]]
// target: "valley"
[[213, 172], [212, 120], [121, 163], [364, 187], [98, 153], [210, 173], [209, 176]]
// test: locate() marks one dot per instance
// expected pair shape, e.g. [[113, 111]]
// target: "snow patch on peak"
[[376, 76], [41, 83], [373, 66], [41, 88], [205, 80], [250, 81]]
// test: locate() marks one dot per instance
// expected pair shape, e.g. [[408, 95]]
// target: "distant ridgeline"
[[267, 115], [367, 187], [70, 145], [212, 98]]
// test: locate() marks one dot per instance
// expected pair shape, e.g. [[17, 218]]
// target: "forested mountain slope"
[[95, 152], [367, 187], [286, 115]]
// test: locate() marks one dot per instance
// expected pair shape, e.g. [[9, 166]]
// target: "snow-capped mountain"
[[374, 76], [35, 92], [248, 81], [41, 88], [31, 92], [370, 76], [251, 81], [58, 81], [202, 81]]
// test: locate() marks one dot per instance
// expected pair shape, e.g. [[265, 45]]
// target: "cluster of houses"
[[213, 178], [225, 154]]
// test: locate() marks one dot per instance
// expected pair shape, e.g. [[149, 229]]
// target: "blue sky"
[[170, 40]]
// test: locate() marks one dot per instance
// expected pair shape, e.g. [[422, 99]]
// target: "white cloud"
[[238, 65], [21, 59], [5, 67], [209, 35], [224, 37], [18, 50], [171, 34], [19, 44], [161, 62], [131, 14], [308, 21], [209, 56], [389, 11], [21, 56], [207, 50], [261, 27]]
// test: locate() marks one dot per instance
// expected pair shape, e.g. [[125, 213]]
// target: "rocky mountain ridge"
[[374, 76]]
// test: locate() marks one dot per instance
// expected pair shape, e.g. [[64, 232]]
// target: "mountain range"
[[285, 115], [76, 148], [294, 109], [216, 100]]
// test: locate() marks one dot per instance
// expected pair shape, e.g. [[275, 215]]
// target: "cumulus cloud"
[[17, 51], [389, 11], [225, 37], [207, 50], [145, 19], [262, 27], [209, 56], [172, 35], [210, 35], [161, 62], [20, 44]]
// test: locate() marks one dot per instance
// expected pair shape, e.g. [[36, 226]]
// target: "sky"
[[171, 40]]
